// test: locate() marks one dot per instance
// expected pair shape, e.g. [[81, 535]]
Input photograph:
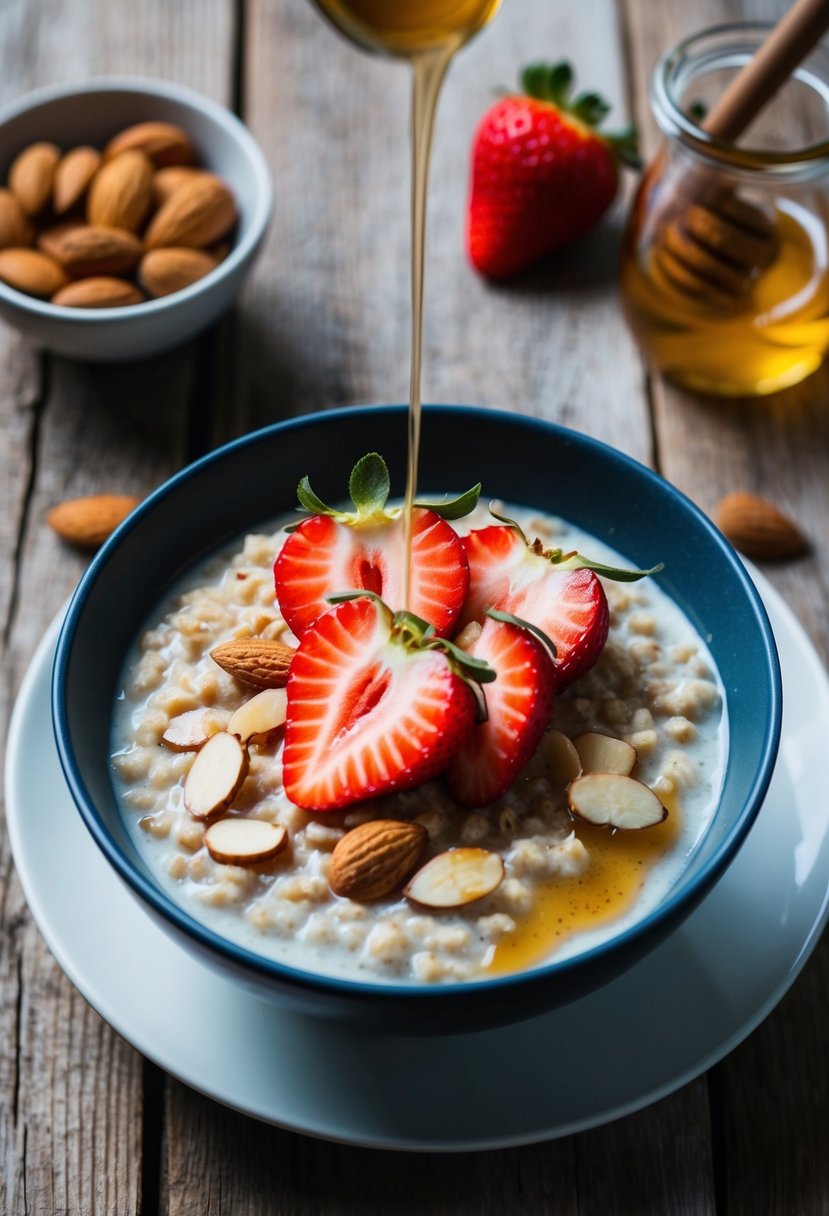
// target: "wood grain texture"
[[772, 1093], [326, 319], [70, 1089]]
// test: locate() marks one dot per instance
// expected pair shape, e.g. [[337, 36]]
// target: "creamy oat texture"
[[654, 686]]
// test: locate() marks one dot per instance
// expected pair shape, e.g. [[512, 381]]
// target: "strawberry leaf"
[[590, 108], [454, 508], [310, 502], [577, 561], [498, 615], [624, 144], [369, 484], [505, 519], [477, 670], [548, 82]]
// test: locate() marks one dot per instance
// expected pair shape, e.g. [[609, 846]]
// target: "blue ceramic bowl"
[[518, 459]]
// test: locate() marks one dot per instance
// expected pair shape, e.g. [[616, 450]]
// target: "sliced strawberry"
[[376, 703], [339, 551], [519, 705], [559, 593]]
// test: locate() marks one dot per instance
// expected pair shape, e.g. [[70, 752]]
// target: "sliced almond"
[[101, 291], [244, 842], [72, 177], [562, 760], [120, 195], [31, 176], [469, 635], [260, 662], [455, 878], [374, 859], [163, 142], [15, 229], [188, 732], [260, 715], [614, 800], [32, 272], [604, 754], [216, 776]]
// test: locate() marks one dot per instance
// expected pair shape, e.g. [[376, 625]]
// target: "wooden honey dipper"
[[714, 248]]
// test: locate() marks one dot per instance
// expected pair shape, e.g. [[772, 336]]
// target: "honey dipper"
[[714, 248]]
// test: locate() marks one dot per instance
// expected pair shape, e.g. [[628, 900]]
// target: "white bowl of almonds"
[[130, 212]]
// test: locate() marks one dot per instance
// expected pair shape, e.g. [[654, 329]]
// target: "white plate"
[[664, 1022]]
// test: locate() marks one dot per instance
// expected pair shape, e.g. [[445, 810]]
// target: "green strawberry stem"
[[416, 634], [573, 560], [553, 83], [369, 486]]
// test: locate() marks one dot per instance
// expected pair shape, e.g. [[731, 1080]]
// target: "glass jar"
[[725, 271]]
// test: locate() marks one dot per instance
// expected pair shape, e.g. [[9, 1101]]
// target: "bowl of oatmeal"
[[434, 902]]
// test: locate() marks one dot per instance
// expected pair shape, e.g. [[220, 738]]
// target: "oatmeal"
[[563, 884]]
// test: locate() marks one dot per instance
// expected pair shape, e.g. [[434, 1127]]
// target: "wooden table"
[[87, 1125]]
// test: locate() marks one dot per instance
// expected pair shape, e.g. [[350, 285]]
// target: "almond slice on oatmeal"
[[615, 800], [562, 759], [605, 754], [188, 732], [245, 842], [455, 878], [262, 714], [215, 776]]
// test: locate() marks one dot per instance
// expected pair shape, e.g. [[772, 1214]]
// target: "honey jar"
[[725, 268]]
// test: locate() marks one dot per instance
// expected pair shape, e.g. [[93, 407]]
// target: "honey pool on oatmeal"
[[567, 885]]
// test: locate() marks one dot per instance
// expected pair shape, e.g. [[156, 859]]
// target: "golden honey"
[[619, 866], [772, 337], [409, 27]]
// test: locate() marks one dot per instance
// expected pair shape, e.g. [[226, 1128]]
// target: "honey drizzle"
[[429, 72], [618, 867]]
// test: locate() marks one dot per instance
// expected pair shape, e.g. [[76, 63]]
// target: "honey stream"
[[428, 33]]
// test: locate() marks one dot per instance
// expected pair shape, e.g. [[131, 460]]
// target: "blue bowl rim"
[[679, 900], [166, 90]]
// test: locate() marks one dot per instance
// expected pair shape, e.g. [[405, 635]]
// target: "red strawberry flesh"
[[519, 705], [569, 606], [325, 556], [368, 715]]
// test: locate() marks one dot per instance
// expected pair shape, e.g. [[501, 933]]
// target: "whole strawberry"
[[542, 175]]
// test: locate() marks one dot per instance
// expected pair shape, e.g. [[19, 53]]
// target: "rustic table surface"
[[88, 1126]]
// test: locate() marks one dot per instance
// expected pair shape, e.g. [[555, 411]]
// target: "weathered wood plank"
[[326, 319], [772, 1117], [70, 1089], [232, 1164]]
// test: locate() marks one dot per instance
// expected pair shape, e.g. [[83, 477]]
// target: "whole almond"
[[102, 291], [167, 181], [163, 271], [31, 271], [260, 662], [375, 859], [758, 528], [83, 249], [32, 174], [87, 522], [15, 229], [163, 142], [197, 215], [121, 192], [73, 174]]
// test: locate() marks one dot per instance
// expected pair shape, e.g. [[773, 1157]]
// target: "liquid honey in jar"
[[725, 268]]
